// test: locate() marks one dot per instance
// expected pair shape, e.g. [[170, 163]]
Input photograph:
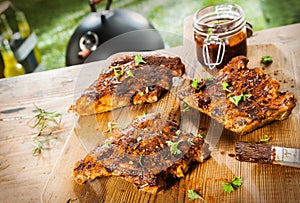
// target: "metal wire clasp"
[[211, 40]]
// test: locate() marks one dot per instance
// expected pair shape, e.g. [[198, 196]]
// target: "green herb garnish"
[[138, 140], [192, 195], [174, 147], [229, 94], [178, 132], [107, 144], [209, 30], [186, 107], [138, 59], [265, 139], [266, 59], [237, 99], [111, 126], [225, 85], [141, 93], [191, 140], [231, 186], [202, 136], [118, 70], [39, 144], [119, 73], [140, 161], [147, 90], [195, 83], [209, 79], [43, 120], [129, 74]]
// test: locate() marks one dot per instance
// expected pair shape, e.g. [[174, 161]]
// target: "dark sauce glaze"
[[237, 49]]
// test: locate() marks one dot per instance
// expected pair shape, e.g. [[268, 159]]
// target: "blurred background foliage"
[[54, 21]]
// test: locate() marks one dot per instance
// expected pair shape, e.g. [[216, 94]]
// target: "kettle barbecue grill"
[[106, 32]]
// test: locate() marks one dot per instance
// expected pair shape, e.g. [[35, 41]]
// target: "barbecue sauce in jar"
[[220, 34]]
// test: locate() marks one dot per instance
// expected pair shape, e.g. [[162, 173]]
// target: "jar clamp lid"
[[211, 39], [215, 24]]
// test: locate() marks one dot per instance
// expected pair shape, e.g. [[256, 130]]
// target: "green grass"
[[54, 21]]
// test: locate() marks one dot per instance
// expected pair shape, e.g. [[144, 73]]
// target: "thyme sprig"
[[45, 119], [46, 123], [39, 144]]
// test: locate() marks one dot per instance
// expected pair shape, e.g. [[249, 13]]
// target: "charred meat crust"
[[130, 83], [263, 104], [254, 152], [142, 154]]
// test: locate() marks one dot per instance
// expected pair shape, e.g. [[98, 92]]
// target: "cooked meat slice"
[[129, 81], [145, 153], [240, 98]]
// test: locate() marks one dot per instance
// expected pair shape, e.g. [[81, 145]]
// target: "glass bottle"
[[25, 32], [11, 65], [220, 34], [23, 25], [5, 28]]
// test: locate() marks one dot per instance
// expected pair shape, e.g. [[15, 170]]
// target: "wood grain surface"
[[24, 176], [261, 183]]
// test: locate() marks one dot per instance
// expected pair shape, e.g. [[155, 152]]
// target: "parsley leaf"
[[118, 71], [265, 139], [235, 99], [107, 144], [266, 59], [225, 85], [245, 96], [237, 182], [229, 94], [174, 147], [238, 98], [141, 93], [193, 195], [195, 83], [227, 187], [231, 186], [138, 59], [129, 74], [202, 136]]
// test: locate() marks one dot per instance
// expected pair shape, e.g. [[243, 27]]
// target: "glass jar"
[[220, 34]]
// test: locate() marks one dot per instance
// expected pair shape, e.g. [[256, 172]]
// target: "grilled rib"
[[144, 154], [260, 102], [125, 82]]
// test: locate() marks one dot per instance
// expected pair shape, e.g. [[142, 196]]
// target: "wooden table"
[[22, 175]]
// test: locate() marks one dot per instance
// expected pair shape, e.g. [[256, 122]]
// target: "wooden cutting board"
[[261, 183]]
